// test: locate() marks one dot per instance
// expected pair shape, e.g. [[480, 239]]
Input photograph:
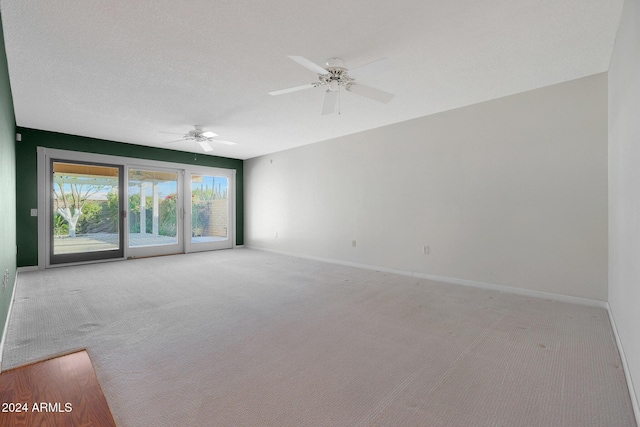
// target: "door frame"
[[78, 257], [44, 156], [155, 250], [189, 246]]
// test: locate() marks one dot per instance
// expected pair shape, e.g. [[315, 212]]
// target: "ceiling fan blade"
[[375, 67], [329, 103], [372, 93], [172, 133], [205, 146], [222, 141], [171, 142], [292, 89], [309, 65]]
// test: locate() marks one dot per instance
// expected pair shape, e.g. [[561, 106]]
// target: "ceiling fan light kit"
[[335, 76]]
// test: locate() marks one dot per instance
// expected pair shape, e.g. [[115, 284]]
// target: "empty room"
[[284, 213]]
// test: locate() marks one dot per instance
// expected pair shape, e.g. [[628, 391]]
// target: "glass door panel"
[[153, 212], [210, 217], [85, 212]]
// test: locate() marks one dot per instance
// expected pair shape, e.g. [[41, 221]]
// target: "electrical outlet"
[[353, 244], [5, 279], [425, 249]]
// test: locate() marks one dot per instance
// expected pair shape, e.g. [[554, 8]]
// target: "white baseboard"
[[6, 324], [453, 280], [632, 392], [29, 268], [512, 290]]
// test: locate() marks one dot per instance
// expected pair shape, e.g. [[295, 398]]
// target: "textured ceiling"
[[127, 70]]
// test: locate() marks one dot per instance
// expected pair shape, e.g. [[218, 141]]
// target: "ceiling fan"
[[202, 137], [334, 75]]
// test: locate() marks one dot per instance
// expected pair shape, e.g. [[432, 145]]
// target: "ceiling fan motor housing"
[[199, 135], [336, 75]]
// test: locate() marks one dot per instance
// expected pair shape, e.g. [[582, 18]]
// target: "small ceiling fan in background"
[[202, 137], [335, 76]]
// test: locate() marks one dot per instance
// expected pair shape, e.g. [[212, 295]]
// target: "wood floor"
[[63, 391]]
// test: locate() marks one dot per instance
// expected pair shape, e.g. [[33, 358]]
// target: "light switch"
[[34, 212]]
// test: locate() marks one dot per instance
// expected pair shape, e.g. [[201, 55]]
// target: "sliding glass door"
[[95, 207], [210, 212], [153, 212], [86, 206]]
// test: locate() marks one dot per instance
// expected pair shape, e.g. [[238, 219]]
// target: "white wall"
[[624, 187], [510, 192]]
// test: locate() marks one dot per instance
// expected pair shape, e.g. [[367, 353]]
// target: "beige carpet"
[[247, 338]]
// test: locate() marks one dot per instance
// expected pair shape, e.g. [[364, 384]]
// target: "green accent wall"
[[26, 174], [7, 186]]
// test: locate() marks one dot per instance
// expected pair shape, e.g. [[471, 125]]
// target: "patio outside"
[[86, 206], [105, 241]]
